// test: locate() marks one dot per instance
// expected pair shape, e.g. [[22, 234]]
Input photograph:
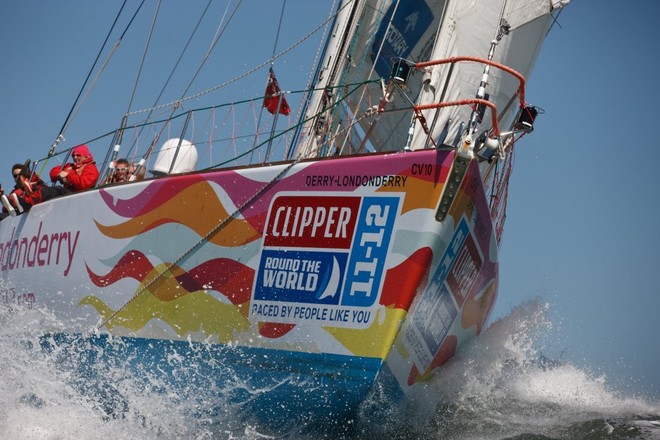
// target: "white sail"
[[375, 33], [468, 29]]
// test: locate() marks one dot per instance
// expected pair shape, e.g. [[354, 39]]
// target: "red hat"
[[54, 173], [82, 150]]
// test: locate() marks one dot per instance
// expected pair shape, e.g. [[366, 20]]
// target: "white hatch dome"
[[186, 157]]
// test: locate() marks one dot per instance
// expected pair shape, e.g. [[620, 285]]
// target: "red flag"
[[274, 100]]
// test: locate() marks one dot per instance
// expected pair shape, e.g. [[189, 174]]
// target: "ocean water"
[[499, 387]]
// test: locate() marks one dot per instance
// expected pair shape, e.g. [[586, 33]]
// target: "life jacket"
[[26, 193]]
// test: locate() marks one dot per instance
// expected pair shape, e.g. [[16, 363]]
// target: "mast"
[[332, 64], [368, 37]]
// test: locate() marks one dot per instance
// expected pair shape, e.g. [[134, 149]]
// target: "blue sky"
[[582, 228]]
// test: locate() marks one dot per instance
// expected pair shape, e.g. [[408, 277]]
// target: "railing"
[[474, 101], [453, 60]]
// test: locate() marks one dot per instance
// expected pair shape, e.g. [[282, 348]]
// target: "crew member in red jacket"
[[80, 175], [28, 191]]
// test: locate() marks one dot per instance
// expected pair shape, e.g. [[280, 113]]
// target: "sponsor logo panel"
[[323, 258], [401, 33], [370, 246], [464, 271], [444, 296], [318, 222], [300, 276]]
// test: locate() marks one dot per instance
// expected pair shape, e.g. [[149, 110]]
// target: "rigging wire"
[[358, 103], [335, 71], [167, 82], [178, 61], [107, 60], [112, 154], [178, 102], [272, 61], [312, 78], [301, 123], [144, 57], [167, 270], [277, 113], [67, 120], [221, 29]]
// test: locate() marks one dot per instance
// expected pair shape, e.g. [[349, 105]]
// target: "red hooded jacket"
[[81, 175]]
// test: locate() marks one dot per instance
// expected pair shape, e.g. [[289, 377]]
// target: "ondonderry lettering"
[[323, 257], [57, 248]]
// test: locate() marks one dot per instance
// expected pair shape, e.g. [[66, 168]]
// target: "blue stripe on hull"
[[278, 389]]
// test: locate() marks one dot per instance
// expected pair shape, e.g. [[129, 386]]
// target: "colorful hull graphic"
[[333, 267]]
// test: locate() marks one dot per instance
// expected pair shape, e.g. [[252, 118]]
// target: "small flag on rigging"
[[274, 101]]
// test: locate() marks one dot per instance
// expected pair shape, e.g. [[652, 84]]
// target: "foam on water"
[[40, 396], [497, 387], [501, 386]]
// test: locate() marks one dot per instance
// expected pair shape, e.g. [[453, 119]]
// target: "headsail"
[[468, 29]]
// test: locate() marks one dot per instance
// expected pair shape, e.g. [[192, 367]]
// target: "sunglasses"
[[121, 169], [16, 175]]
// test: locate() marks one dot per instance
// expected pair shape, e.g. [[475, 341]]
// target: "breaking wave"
[[502, 386], [499, 387]]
